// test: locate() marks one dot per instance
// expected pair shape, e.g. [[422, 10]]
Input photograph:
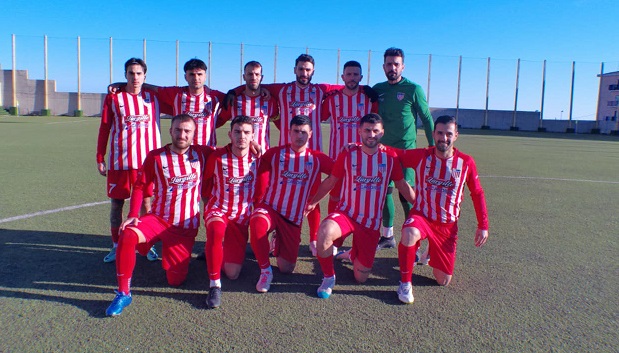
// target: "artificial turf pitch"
[[545, 281]]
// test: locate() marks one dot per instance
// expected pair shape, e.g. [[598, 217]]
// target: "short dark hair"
[[352, 63], [446, 119], [242, 119], [304, 58], [194, 64], [394, 52], [135, 61], [300, 120], [181, 118], [252, 63], [371, 118]]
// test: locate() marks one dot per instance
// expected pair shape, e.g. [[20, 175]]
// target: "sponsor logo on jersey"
[[296, 104], [257, 119], [197, 115], [439, 182], [137, 119], [368, 179], [348, 119], [240, 180], [183, 181], [296, 176]]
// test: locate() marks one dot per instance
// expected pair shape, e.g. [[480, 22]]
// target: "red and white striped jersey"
[[131, 124], [345, 112], [285, 179], [365, 179], [294, 100], [260, 110], [233, 181], [176, 180], [204, 108], [439, 184]]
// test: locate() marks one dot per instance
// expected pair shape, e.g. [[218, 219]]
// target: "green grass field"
[[545, 281]]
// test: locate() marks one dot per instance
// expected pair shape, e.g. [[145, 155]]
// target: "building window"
[[613, 87], [611, 103]]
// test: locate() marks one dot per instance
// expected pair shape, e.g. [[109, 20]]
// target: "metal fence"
[[558, 90]]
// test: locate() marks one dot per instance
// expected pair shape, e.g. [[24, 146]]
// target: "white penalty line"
[[549, 179], [41, 213]]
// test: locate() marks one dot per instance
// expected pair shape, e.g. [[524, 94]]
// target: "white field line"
[[552, 179], [69, 208], [41, 213]]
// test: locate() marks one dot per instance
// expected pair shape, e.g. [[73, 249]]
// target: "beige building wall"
[[608, 102]]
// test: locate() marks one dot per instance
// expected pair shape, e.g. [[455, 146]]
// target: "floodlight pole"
[[78, 111], [337, 75], [429, 80], [458, 92], [514, 127], [486, 126], [177, 61], [275, 65], [569, 123], [14, 110], [144, 49], [111, 61], [45, 111], [369, 67], [541, 108], [241, 76]]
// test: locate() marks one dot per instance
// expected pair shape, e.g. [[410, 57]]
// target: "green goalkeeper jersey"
[[400, 105]]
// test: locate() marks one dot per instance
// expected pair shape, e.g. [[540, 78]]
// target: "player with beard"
[[230, 173], [440, 175], [251, 102], [175, 171], [286, 175], [365, 171], [400, 103]]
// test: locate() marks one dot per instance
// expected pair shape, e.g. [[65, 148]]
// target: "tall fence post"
[[144, 49], [458, 91], [242, 55], [178, 63], [596, 129], [541, 128], [275, 65], [14, 110], [369, 66], [429, 79], [78, 111], [337, 68], [45, 111], [111, 61], [514, 127], [210, 58], [485, 126], [570, 129]]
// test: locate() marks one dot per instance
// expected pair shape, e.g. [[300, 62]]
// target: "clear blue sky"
[[557, 31]]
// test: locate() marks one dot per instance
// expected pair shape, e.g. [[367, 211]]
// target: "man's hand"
[[229, 99], [481, 236], [265, 93], [114, 87], [102, 168], [309, 208], [255, 149], [371, 93], [131, 221]]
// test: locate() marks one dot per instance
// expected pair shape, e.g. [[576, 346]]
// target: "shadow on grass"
[[37, 265]]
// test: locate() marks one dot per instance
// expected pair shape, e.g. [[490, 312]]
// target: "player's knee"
[[232, 271], [442, 278], [128, 237], [285, 266], [410, 236]]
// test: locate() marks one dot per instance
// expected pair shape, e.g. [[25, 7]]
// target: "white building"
[[608, 103]]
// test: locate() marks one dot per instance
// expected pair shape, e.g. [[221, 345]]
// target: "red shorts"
[[442, 241], [119, 183], [288, 236], [235, 239], [177, 242], [364, 240]]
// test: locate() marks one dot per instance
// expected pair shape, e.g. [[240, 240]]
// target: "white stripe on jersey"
[[293, 101], [260, 110], [345, 112], [135, 130]]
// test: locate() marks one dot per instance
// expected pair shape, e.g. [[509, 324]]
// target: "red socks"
[[214, 249], [125, 259]]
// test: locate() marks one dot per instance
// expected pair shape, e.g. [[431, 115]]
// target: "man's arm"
[[405, 190], [144, 180], [107, 115], [422, 110]]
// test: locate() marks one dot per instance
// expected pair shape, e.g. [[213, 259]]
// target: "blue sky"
[[557, 31]]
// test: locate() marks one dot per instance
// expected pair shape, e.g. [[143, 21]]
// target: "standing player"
[[302, 97], [401, 102], [175, 170], [440, 175], [196, 100], [286, 175], [365, 171], [130, 121], [252, 103], [232, 172]]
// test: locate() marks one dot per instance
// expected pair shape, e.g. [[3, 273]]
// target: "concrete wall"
[[30, 96]]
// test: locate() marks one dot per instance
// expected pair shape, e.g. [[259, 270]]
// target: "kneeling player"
[[175, 172], [365, 171]]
